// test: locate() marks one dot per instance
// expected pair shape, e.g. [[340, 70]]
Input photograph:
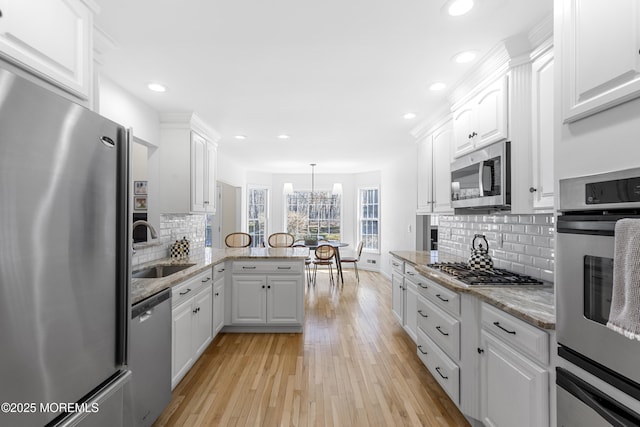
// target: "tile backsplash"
[[174, 227], [520, 243]]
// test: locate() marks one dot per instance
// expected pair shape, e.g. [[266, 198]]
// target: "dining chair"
[[281, 240], [307, 261], [354, 260], [237, 240], [324, 255]]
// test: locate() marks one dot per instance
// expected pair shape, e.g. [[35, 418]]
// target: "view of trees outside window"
[[257, 215], [369, 218], [313, 216]]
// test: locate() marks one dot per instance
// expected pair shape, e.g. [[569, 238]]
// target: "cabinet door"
[[283, 307], [397, 296], [248, 299], [542, 140], [442, 140], [51, 38], [411, 310], [514, 390], [463, 124], [203, 320], [425, 165], [600, 61], [218, 306], [210, 182], [491, 114], [181, 349], [198, 172]]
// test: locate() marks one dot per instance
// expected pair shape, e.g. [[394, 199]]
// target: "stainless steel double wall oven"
[[589, 209]]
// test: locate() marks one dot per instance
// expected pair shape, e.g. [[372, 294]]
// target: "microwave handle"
[[480, 178]]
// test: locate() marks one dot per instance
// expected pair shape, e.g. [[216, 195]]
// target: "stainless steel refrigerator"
[[64, 293]]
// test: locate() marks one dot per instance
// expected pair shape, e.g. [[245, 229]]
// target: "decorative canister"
[[177, 250], [480, 259]]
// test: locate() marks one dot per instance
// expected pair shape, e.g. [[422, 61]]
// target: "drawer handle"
[[284, 268], [438, 369], [423, 286], [221, 270], [440, 330], [422, 314], [216, 294], [442, 299], [206, 280], [420, 348], [506, 330], [410, 273], [244, 267], [185, 292], [195, 311]]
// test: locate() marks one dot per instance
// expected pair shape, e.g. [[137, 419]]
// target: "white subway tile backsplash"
[[521, 243]]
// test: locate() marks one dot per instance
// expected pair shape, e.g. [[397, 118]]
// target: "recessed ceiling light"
[[156, 87], [459, 7], [409, 116], [437, 86], [464, 57], [240, 137], [284, 136]]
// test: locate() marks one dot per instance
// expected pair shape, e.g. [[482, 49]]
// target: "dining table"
[[337, 245]]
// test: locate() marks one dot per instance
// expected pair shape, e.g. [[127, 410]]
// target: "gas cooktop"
[[492, 277]]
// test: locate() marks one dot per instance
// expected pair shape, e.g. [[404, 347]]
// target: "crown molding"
[[191, 121]]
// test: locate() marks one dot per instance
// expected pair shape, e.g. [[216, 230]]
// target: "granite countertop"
[[144, 288], [533, 304]]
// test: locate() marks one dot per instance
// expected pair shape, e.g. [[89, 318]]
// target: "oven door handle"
[[612, 411], [602, 228]]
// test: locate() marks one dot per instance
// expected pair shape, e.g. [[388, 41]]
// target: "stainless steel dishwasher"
[[150, 357]]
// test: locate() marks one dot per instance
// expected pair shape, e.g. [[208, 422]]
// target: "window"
[[316, 215], [257, 215], [369, 218]]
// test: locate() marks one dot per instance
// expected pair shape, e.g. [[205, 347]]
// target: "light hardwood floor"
[[352, 366]]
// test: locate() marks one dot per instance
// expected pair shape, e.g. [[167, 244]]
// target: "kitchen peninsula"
[[263, 287]]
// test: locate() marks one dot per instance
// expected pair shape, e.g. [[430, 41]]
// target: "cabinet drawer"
[[218, 271], [439, 295], [397, 265], [442, 368], [267, 267], [515, 332], [189, 287], [440, 327]]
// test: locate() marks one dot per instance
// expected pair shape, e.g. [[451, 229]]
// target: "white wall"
[[120, 106], [398, 211]]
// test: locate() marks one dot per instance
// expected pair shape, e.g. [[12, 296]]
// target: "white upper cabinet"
[[542, 138], [600, 55], [482, 120], [51, 39], [434, 170], [187, 160]]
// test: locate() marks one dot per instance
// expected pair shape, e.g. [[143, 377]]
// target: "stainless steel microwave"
[[482, 179]]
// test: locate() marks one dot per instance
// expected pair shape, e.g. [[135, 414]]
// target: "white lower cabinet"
[[514, 377], [411, 312], [397, 296], [269, 293], [442, 368], [191, 330], [218, 306]]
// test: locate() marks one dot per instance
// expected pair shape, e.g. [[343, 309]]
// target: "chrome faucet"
[[152, 230]]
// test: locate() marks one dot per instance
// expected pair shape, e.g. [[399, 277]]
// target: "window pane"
[[314, 215], [369, 218]]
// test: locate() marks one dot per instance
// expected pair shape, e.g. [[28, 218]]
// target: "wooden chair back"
[[325, 252], [281, 240], [238, 240]]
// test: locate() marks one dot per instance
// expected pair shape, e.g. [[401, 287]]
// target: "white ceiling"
[[337, 75]]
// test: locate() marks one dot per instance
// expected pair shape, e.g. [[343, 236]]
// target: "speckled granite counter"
[[144, 288], [533, 304]]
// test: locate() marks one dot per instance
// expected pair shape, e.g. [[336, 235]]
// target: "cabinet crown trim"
[[189, 120]]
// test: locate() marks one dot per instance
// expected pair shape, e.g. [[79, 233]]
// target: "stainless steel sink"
[[158, 271]]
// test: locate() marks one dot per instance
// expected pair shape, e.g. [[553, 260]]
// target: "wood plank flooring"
[[353, 366]]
